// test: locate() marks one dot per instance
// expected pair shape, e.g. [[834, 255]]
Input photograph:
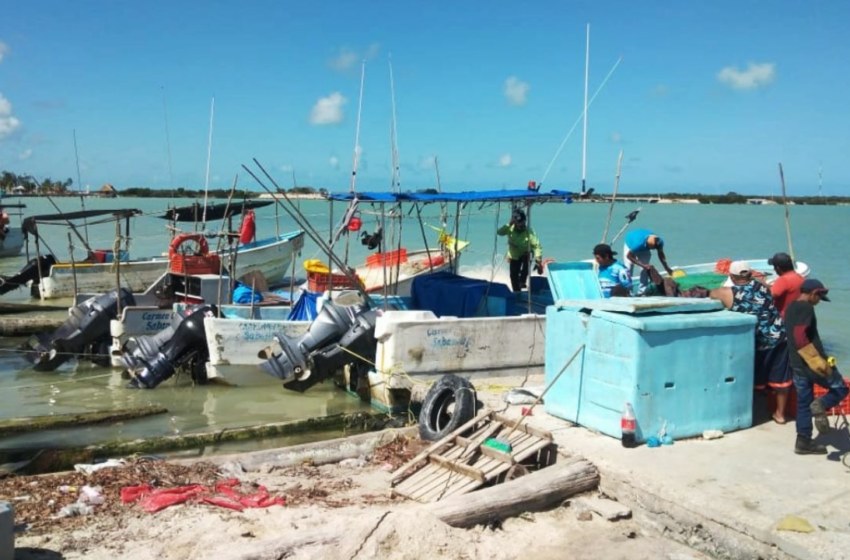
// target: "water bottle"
[[628, 424]]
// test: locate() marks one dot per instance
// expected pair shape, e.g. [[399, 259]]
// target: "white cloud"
[[4, 49], [334, 161], [516, 90], [505, 160], [328, 110], [25, 154], [427, 162], [616, 137], [347, 57], [755, 76], [8, 122]]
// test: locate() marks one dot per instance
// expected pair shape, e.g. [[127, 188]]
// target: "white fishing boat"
[[715, 272], [99, 272]]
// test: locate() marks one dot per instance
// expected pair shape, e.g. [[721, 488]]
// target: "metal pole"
[[253, 287], [613, 197], [73, 266], [80, 185], [787, 216], [116, 254]]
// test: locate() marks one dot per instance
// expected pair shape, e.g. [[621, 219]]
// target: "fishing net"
[[707, 280]]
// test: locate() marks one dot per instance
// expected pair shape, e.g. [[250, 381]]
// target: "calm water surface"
[[693, 234]]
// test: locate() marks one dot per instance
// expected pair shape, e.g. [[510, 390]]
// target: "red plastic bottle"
[[628, 425]]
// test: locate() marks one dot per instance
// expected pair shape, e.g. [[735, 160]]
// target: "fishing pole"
[[296, 214], [613, 197], [629, 219], [209, 156], [80, 189], [787, 216], [578, 120]]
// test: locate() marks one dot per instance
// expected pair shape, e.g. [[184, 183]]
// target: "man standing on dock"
[[786, 288], [638, 252], [522, 243], [811, 366]]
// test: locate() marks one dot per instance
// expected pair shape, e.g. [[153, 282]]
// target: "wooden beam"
[[457, 467], [535, 492]]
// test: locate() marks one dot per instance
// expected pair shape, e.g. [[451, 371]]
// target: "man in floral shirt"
[[748, 295]]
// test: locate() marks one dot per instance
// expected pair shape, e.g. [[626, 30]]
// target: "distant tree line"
[[9, 181], [144, 192], [735, 198]]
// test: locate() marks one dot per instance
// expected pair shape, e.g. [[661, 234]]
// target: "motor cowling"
[[188, 344], [86, 327], [140, 348], [29, 273], [329, 326]]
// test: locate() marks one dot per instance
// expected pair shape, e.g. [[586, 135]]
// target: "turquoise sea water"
[[692, 233]]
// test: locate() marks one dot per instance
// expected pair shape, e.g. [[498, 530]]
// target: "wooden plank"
[[458, 467], [523, 427], [497, 455], [423, 456]]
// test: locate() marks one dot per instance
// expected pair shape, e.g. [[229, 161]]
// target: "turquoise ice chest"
[[684, 361]]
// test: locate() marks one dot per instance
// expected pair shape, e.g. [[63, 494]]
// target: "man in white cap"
[[748, 295]]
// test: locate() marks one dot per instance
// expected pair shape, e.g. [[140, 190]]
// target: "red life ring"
[[203, 246], [200, 262]]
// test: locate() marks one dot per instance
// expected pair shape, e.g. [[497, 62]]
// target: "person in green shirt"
[[522, 243]]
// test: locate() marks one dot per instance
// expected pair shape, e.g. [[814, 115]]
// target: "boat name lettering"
[[156, 321], [444, 342], [436, 332], [262, 332]]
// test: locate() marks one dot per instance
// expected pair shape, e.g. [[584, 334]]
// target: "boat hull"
[[12, 244], [271, 257]]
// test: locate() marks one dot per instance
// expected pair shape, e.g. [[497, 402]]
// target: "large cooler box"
[[684, 362]]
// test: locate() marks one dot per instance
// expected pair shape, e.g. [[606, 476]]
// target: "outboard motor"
[[327, 328], [143, 348], [86, 328], [29, 273], [321, 351], [188, 345]]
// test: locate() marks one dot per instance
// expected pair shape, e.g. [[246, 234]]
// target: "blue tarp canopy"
[[444, 293], [467, 196]]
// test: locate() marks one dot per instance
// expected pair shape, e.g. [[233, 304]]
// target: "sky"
[[708, 96]]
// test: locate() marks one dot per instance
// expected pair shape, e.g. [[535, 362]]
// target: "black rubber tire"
[[449, 404]]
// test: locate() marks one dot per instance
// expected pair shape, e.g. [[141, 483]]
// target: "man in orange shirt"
[[786, 288]]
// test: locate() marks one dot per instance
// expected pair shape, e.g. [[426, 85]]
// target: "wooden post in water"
[[787, 217], [73, 266]]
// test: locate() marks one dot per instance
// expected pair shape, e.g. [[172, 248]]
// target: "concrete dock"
[[726, 496]]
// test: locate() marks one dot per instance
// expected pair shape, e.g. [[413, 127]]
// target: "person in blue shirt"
[[638, 252], [614, 277]]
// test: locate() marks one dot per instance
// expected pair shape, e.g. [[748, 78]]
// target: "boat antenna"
[[584, 142], [167, 143], [578, 120], [787, 215], [80, 189], [396, 170], [209, 155], [357, 132], [820, 180]]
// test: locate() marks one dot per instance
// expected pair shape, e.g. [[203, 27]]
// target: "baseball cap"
[[603, 249], [740, 268], [814, 286], [782, 260]]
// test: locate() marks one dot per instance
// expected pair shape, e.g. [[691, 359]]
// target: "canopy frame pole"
[[424, 237]]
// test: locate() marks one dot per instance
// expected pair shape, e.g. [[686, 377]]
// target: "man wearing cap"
[[638, 252], [786, 287], [522, 241], [748, 295], [810, 365], [614, 277]]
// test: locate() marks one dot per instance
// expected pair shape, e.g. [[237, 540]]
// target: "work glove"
[[538, 266], [814, 360]]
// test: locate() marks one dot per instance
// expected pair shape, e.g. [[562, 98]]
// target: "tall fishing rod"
[[787, 216], [302, 221], [209, 156], [584, 142], [614, 197], [357, 131], [80, 189], [578, 120], [397, 170], [820, 180]]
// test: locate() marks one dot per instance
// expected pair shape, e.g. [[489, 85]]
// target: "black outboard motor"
[[187, 346], [86, 328], [328, 327], [28, 273], [320, 352], [144, 348]]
